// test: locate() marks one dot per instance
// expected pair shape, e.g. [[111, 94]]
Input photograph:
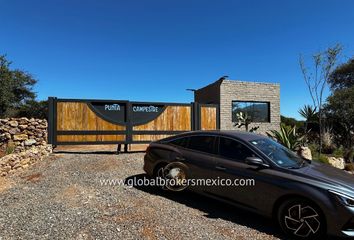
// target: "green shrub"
[[338, 152], [349, 167], [314, 148], [322, 158], [10, 148], [349, 155], [328, 149]]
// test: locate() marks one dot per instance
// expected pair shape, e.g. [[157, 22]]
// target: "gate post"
[[129, 130], [51, 120], [195, 116]]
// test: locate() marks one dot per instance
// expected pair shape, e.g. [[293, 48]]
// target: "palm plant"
[[309, 113], [287, 137]]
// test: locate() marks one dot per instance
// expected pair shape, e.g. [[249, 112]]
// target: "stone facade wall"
[[226, 91], [249, 91]]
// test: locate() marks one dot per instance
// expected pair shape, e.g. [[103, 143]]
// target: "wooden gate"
[[78, 121]]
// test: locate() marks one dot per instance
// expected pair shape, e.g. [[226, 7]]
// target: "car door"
[[230, 164], [198, 153]]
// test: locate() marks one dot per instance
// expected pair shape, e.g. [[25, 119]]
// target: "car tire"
[[174, 175], [301, 219]]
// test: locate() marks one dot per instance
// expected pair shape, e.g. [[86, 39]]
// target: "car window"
[[234, 150], [278, 153], [202, 143], [182, 142]]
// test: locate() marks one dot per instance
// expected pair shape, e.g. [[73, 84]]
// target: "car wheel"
[[301, 219], [173, 176]]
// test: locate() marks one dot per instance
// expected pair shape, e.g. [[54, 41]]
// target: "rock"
[[305, 152], [6, 169], [30, 142], [8, 136], [20, 137], [22, 127], [2, 137], [17, 166], [13, 123], [337, 162], [14, 131], [25, 166]]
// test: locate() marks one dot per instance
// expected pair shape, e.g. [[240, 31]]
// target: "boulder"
[[305, 152], [337, 162]]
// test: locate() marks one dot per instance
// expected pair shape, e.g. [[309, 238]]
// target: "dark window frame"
[[251, 101]]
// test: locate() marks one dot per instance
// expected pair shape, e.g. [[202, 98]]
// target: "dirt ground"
[[65, 196]]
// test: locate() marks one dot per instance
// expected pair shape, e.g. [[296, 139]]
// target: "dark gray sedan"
[[308, 199]]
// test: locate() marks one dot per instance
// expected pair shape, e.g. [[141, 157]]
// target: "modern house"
[[261, 101]]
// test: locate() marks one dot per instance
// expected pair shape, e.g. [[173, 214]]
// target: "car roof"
[[245, 136]]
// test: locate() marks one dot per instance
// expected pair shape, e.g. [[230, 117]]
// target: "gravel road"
[[62, 197]]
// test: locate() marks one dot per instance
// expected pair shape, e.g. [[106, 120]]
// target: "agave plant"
[[287, 137]]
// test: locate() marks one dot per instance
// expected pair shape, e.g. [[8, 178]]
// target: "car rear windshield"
[[278, 153]]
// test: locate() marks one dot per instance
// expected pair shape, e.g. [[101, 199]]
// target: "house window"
[[257, 111]]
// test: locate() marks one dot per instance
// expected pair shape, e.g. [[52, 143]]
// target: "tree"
[[340, 110], [343, 76], [288, 121], [16, 87], [316, 80], [33, 109]]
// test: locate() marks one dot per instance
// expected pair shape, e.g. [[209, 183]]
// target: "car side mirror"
[[255, 161]]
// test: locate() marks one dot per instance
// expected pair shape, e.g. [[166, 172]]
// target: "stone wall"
[[21, 160], [22, 133], [22, 142]]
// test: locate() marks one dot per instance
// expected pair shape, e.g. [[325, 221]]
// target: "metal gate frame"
[[128, 132]]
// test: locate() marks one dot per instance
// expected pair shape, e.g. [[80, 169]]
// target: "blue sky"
[[153, 50]]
